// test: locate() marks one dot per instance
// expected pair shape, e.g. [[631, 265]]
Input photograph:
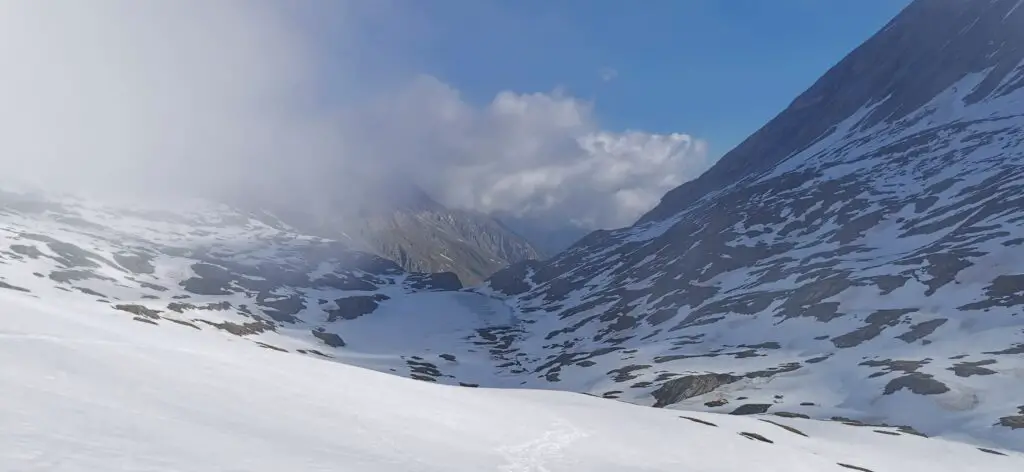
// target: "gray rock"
[[139, 310], [751, 409], [967, 369], [690, 386], [135, 262], [443, 281], [1013, 421], [921, 384], [353, 307], [330, 339]]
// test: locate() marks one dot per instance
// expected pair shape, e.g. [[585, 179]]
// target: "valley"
[[844, 290]]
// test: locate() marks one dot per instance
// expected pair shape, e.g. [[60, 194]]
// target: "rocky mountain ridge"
[[866, 242], [395, 219]]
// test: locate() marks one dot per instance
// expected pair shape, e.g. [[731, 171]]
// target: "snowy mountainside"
[[88, 391], [216, 269], [869, 269]]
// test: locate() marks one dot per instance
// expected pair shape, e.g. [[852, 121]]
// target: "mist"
[[245, 99], [160, 98]]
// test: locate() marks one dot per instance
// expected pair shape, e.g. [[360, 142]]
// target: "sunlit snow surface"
[[87, 391]]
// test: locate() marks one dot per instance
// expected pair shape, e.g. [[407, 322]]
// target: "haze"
[[244, 98]]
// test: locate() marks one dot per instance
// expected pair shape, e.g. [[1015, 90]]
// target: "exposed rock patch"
[[921, 384], [690, 386], [330, 339], [350, 308], [967, 369], [751, 409]]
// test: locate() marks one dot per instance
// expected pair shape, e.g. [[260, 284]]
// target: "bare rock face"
[[350, 308], [473, 246], [330, 339], [751, 409], [394, 219], [682, 388], [444, 281], [1014, 421]]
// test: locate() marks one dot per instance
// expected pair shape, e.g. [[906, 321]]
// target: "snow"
[[438, 330], [87, 392]]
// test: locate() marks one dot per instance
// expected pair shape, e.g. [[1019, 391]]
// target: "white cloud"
[[608, 74], [222, 97], [167, 95], [533, 155]]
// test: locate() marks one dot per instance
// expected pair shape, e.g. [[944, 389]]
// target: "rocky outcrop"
[[677, 390], [350, 308]]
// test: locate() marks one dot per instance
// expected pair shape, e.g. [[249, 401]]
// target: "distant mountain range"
[[395, 219]]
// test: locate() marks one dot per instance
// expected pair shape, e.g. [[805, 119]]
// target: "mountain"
[[395, 219], [846, 280], [472, 245], [859, 257], [203, 339]]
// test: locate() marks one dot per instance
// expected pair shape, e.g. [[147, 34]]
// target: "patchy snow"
[[88, 392]]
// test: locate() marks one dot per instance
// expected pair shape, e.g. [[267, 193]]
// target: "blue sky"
[[716, 69], [457, 95]]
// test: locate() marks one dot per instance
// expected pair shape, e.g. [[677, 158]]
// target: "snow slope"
[[215, 269], [93, 392]]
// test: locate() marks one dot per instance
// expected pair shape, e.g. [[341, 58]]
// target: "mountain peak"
[[871, 231], [385, 196], [927, 48]]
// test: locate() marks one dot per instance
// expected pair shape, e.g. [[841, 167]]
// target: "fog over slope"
[[292, 103]]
